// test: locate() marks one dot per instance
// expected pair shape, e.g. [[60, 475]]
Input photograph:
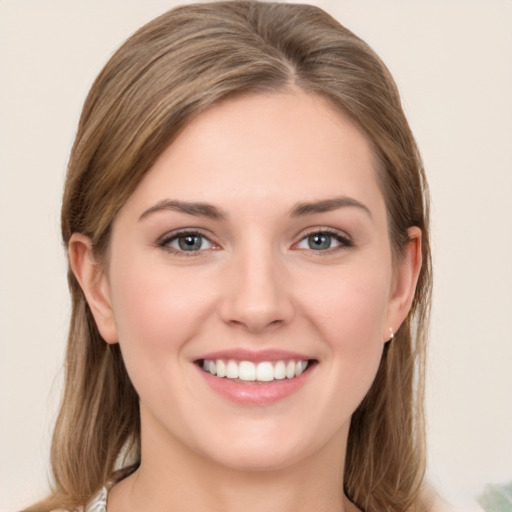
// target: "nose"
[[258, 296]]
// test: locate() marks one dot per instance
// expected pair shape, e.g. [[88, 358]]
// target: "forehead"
[[289, 146]]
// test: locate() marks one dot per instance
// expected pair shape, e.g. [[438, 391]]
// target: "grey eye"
[[323, 241], [189, 242], [319, 241]]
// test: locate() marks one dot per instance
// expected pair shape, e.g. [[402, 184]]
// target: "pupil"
[[319, 241], [190, 242]]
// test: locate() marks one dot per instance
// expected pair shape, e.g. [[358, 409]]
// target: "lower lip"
[[253, 392]]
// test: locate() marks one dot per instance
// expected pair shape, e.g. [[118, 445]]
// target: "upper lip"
[[240, 354]]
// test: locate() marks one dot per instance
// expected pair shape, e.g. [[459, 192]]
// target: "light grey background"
[[452, 60]]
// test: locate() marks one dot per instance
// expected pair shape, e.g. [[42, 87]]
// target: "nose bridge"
[[258, 296]]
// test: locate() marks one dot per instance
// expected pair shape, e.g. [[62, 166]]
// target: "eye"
[[186, 241], [323, 241]]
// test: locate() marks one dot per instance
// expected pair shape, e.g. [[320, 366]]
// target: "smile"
[[256, 377], [248, 371]]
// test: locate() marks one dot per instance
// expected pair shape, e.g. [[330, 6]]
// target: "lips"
[[255, 378]]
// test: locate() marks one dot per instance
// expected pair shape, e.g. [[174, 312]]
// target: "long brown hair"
[[167, 73]]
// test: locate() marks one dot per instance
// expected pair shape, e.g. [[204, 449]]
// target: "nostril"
[[253, 323]]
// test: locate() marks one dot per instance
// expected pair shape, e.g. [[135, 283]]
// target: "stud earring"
[[391, 334]]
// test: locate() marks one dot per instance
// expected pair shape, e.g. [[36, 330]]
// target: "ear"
[[404, 283], [94, 283]]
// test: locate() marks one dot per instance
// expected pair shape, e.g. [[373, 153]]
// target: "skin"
[[255, 283]]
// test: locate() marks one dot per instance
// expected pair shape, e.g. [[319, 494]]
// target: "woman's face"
[[256, 245]]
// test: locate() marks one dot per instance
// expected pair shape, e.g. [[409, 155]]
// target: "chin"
[[264, 449], [257, 458]]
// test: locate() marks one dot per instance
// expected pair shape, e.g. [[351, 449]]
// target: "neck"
[[189, 482]]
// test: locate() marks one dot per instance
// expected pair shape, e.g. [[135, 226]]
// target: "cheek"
[[351, 318], [350, 308], [156, 314]]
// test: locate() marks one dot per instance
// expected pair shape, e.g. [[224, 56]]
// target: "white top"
[[99, 502]]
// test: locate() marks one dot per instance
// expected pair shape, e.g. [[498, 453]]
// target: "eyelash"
[[344, 241], [164, 243]]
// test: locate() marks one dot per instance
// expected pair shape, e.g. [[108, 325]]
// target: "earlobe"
[[94, 283], [406, 277]]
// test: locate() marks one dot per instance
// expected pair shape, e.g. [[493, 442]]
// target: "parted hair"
[[161, 78]]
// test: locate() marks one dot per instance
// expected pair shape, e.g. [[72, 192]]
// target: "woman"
[[246, 217]]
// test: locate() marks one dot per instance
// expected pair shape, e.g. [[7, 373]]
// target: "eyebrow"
[[196, 209], [212, 212], [327, 205]]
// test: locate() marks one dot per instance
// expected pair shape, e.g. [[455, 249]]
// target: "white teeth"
[[264, 371], [221, 368], [232, 370], [246, 370], [300, 367], [280, 370], [290, 370]]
